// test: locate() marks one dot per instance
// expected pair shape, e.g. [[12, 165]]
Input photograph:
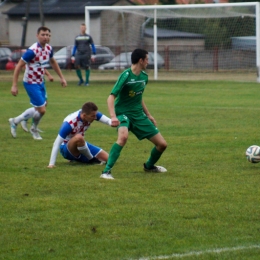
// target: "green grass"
[[209, 198]]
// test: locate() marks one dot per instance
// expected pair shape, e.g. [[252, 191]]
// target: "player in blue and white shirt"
[[35, 60], [51, 79], [70, 140]]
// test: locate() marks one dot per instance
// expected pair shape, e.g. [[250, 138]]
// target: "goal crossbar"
[[178, 11]]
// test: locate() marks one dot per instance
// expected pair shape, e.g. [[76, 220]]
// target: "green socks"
[[113, 156], [115, 153], [79, 74], [87, 76], [154, 157]]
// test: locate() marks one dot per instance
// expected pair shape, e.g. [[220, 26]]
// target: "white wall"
[[63, 31], [95, 29], [4, 37]]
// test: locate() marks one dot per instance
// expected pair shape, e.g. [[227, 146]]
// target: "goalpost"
[[189, 38]]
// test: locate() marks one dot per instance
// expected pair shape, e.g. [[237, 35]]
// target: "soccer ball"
[[253, 154]]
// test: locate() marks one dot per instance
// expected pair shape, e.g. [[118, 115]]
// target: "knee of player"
[[42, 110], [79, 138], [163, 145], [122, 140]]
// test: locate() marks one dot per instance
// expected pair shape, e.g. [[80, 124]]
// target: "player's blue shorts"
[[46, 95], [36, 93], [82, 158]]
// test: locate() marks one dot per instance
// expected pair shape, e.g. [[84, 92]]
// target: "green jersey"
[[129, 90]]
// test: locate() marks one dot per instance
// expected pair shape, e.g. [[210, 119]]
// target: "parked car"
[[63, 57], [4, 55], [13, 59], [123, 61]]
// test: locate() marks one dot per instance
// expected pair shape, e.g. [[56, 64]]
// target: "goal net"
[[182, 38]]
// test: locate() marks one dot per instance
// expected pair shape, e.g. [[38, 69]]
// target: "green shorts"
[[141, 126]]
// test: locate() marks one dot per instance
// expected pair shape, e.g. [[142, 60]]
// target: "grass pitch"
[[205, 207]]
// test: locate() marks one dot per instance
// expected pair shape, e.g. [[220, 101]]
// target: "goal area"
[[197, 38]]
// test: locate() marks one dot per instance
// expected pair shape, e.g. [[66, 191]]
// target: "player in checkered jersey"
[[35, 60], [70, 140], [51, 79]]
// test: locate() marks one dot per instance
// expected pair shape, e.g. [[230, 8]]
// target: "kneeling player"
[[70, 140]]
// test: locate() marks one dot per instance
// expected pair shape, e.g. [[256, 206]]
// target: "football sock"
[[28, 113], [113, 156], [154, 157], [87, 75], [79, 74], [85, 151], [36, 119]]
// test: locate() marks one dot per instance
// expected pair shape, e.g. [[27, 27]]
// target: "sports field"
[[207, 205]]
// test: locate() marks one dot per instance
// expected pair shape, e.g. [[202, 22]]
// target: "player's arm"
[[48, 74], [55, 150], [122, 79], [103, 119], [27, 57], [64, 131], [18, 67], [93, 51], [56, 68], [111, 109], [73, 53], [146, 111]]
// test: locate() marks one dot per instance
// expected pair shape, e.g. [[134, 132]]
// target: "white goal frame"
[[157, 7]]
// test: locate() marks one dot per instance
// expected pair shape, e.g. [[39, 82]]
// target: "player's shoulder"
[[72, 116], [125, 74], [144, 73], [48, 47], [33, 46], [79, 36]]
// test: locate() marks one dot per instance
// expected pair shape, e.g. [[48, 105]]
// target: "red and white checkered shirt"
[[34, 72], [76, 124]]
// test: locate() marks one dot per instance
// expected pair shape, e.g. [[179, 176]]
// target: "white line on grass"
[[198, 253]]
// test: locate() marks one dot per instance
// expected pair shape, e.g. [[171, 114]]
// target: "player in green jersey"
[[129, 113]]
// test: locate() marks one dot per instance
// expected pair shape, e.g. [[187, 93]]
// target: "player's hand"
[[72, 59], [93, 57], [114, 122], [14, 90], [63, 83], [51, 166], [153, 120], [51, 78]]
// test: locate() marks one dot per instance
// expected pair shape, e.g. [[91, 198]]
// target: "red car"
[[14, 58]]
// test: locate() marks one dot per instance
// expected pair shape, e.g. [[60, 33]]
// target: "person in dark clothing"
[[83, 57]]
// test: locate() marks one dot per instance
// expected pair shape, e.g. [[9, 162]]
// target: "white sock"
[[36, 119], [28, 113], [85, 151]]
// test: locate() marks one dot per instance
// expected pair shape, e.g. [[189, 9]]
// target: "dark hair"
[[138, 54], [88, 107], [43, 28]]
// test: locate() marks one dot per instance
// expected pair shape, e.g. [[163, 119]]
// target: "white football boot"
[[13, 127], [35, 134]]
